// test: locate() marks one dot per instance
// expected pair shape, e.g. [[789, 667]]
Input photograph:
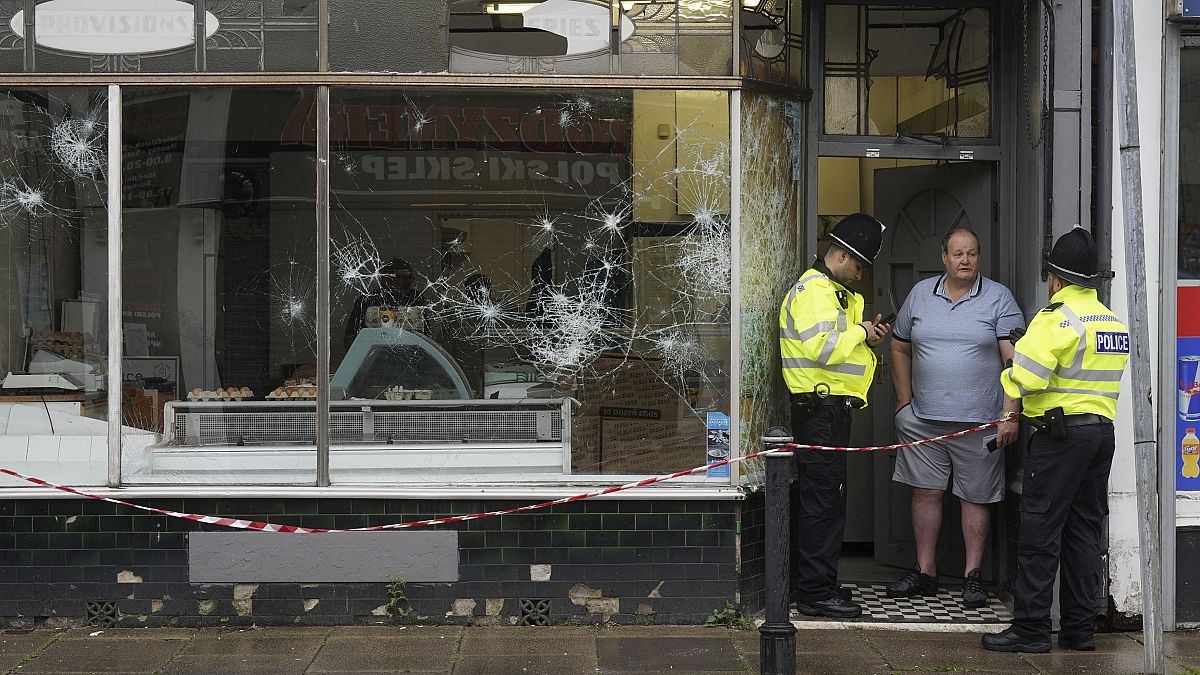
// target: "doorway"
[[919, 200]]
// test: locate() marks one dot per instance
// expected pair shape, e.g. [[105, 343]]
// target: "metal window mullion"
[[735, 281], [200, 34], [323, 36], [322, 216], [114, 205]]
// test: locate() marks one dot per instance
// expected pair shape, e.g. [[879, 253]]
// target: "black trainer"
[[834, 607], [914, 582], [973, 595], [1009, 641], [1079, 643]]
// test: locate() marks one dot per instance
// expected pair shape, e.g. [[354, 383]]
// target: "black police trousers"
[[818, 501], [1064, 501]]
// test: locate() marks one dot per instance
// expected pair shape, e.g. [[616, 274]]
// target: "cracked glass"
[[772, 167], [53, 285], [528, 285]]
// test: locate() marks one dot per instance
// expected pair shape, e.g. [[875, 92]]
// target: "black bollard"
[[777, 635]]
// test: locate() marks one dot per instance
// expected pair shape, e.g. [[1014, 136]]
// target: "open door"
[[919, 205]]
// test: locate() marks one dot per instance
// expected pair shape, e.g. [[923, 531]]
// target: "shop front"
[[319, 264], [250, 271]]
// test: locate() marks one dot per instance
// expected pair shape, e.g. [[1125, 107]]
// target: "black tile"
[[600, 538], [685, 521], [702, 538], [619, 521], [568, 538], [652, 521], [31, 507], [586, 521]]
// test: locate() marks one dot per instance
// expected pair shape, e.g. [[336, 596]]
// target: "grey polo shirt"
[[956, 360]]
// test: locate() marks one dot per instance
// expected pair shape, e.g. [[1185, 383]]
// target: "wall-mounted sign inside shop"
[[114, 26]]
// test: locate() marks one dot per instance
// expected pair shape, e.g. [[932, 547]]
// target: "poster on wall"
[[1187, 378]]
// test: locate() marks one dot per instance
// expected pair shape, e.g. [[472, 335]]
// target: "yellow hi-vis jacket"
[[820, 341], [1072, 356]]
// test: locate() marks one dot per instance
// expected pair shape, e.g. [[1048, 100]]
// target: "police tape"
[[240, 524]]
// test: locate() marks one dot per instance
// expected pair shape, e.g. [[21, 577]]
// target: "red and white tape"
[[240, 524]]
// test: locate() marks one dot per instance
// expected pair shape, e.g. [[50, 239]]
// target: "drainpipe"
[[1102, 222], [1048, 137]]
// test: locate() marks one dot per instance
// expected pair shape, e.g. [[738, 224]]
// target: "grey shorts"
[[978, 474]]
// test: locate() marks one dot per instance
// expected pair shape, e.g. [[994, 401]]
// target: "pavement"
[[647, 650]]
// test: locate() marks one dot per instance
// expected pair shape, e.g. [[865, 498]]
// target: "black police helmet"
[[859, 235], [1075, 259]]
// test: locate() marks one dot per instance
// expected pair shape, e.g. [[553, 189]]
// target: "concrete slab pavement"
[[452, 650]]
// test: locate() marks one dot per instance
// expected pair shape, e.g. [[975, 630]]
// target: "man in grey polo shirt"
[[949, 345]]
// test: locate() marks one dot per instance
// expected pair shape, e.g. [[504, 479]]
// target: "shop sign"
[[1187, 389], [583, 24], [1191, 8], [114, 26]]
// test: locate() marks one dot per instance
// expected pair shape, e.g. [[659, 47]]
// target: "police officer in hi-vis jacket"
[[827, 366], [1066, 371]]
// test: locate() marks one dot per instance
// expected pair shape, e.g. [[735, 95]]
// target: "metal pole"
[[1145, 445], [115, 180], [322, 205], [777, 635]]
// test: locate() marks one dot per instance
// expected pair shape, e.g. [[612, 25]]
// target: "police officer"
[[827, 366], [1066, 371]]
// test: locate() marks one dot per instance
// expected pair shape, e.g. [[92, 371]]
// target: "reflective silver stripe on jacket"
[[806, 334], [1032, 366], [1090, 392], [1091, 375], [788, 330], [843, 368]]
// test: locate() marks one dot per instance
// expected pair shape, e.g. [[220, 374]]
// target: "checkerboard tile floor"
[[945, 607]]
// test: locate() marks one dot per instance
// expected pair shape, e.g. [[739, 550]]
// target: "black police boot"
[[1079, 643], [834, 607], [913, 583], [1010, 641]]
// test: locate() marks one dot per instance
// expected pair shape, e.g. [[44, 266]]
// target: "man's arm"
[[1006, 432], [901, 355], [1035, 356]]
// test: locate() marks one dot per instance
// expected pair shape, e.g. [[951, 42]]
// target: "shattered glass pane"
[[771, 161], [219, 254], [907, 71], [53, 285], [558, 260]]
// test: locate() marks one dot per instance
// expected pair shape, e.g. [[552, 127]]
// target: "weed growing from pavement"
[[729, 617], [397, 599]]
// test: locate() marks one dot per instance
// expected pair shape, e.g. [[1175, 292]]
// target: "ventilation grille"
[[534, 612], [101, 613]]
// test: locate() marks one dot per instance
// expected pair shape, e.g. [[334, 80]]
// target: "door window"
[[907, 71]]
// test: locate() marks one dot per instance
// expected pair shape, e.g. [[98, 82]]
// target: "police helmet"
[[1075, 259], [859, 235]]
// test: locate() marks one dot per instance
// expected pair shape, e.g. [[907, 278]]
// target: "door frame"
[[997, 148]]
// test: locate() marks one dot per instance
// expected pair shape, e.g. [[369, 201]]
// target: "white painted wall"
[[1124, 566]]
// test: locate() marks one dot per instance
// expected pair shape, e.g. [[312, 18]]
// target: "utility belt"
[[1056, 423], [819, 397]]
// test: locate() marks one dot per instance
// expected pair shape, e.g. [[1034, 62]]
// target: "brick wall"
[[615, 561]]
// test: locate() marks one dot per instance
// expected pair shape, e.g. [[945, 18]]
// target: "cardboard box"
[[625, 446]]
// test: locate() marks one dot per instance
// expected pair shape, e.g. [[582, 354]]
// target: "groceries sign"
[[114, 26]]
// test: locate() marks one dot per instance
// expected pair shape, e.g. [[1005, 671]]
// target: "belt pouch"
[[1056, 423]]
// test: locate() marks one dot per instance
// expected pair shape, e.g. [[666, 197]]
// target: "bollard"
[[777, 635]]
